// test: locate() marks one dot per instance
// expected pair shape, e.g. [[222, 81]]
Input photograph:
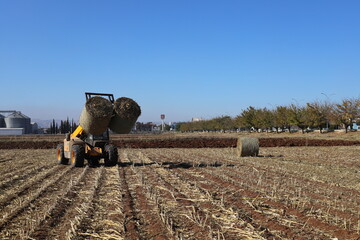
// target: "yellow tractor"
[[80, 145]]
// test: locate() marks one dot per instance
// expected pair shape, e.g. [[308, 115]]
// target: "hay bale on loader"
[[96, 115], [247, 147], [126, 112]]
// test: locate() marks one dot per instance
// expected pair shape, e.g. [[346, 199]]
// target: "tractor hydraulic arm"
[[78, 132]]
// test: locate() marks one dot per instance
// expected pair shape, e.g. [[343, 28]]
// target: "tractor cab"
[[98, 140]]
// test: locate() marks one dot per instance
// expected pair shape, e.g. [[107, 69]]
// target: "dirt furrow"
[[203, 210], [262, 202], [21, 177], [105, 219], [22, 159], [153, 226], [22, 217], [278, 226], [66, 215], [5, 160], [150, 223], [264, 219], [278, 181], [13, 173], [131, 224], [173, 205], [34, 182], [316, 197], [300, 196], [306, 213], [79, 220], [276, 168], [173, 208]]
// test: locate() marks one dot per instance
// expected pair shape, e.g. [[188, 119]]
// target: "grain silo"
[[18, 120], [34, 127], [2, 121]]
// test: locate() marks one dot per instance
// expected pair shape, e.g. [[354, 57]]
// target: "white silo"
[[18, 120]]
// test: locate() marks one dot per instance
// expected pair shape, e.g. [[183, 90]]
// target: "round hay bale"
[[126, 112], [96, 115], [247, 147]]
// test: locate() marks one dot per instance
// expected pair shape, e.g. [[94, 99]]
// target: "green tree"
[[239, 122], [316, 115], [298, 117], [223, 123], [346, 112], [62, 127], [282, 118], [53, 127], [248, 117], [263, 119]]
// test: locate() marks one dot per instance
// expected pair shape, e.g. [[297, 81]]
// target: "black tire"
[[77, 156], [60, 155], [111, 158]]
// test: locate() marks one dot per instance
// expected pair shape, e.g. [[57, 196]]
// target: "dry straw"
[[126, 112], [96, 115], [247, 147]]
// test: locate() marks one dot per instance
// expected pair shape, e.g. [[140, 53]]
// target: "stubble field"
[[207, 193]]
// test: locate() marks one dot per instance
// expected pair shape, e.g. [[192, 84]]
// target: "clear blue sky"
[[183, 58]]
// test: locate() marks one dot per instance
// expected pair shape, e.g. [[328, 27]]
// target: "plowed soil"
[[173, 193], [188, 143]]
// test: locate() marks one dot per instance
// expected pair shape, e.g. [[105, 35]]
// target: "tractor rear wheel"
[[111, 158], [60, 155], [77, 156]]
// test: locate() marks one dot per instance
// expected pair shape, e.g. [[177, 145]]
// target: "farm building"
[[11, 131], [2, 121], [15, 123], [34, 127], [194, 119]]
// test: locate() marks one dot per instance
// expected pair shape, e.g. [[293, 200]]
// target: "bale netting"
[[247, 147], [96, 115], [126, 112]]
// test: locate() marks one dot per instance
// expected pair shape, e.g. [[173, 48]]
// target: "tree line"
[[65, 126], [313, 115]]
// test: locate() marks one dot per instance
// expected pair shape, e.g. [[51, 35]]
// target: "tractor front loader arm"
[[78, 132]]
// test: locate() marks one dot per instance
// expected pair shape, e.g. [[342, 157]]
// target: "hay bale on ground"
[[96, 115], [126, 112], [247, 147]]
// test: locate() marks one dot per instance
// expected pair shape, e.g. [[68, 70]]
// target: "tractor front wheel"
[[77, 156], [60, 155]]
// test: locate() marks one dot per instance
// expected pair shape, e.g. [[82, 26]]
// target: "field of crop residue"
[[207, 193]]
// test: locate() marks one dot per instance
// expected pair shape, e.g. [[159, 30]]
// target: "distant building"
[[196, 119], [34, 127], [15, 123], [11, 131], [145, 127], [172, 126], [2, 121]]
